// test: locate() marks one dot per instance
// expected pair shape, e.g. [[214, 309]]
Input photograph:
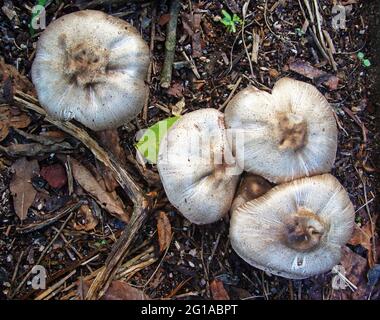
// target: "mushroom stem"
[[304, 230], [291, 131]]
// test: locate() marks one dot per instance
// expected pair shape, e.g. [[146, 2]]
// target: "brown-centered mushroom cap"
[[91, 67], [297, 229], [288, 134], [196, 167]]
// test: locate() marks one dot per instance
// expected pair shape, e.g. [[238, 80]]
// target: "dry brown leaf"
[[176, 90], [318, 76], [55, 175], [11, 117], [110, 140], [118, 290], [19, 81], [87, 221], [105, 199], [164, 230], [21, 185], [363, 236], [218, 291], [355, 268]]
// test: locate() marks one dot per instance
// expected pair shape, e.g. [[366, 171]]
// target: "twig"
[[55, 286], [255, 46], [151, 49], [51, 218], [170, 43], [192, 65], [236, 85], [245, 7], [17, 266]]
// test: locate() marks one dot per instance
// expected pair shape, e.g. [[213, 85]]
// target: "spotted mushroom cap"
[[91, 67], [196, 166], [288, 134], [297, 229]]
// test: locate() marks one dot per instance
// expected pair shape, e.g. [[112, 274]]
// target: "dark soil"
[[200, 254]]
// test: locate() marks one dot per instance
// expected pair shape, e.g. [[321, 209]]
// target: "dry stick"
[[142, 203], [321, 37], [255, 47], [245, 6], [42, 255], [313, 30], [47, 292], [151, 49], [53, 217], [236, 85], [170, 43]]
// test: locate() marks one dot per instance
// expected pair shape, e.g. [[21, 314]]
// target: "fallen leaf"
[[176, 90], [55, 175], [105, 199], [192, 25], [85, 219], [118, 290], [19, 81], [21, 186], [110, 140], [218, 291], [363, 236], [318, 76], [355, 268], [164, 230], [11, 117], [164, 19]]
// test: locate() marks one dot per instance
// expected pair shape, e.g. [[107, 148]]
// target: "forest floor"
[[60, 223]]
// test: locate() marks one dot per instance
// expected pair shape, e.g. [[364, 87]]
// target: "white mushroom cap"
[[297, 229], [91, 67], [288, 134], [196, 166]]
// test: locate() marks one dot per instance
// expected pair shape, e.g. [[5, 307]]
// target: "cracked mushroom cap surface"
[[288, 134], [91, 67], [196, 166], [297, 229]]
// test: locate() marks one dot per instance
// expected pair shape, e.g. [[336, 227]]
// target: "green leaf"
[[226, 22], [149, 143], [236, 18], [226, 15], [361, 55], [366, 63]]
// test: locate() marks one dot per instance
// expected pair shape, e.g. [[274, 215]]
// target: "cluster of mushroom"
[[289, 138], [91, 67]]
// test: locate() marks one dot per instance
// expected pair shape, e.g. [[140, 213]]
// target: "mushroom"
[[91, 67], [197, 168], [297, 229], [251, 187], [288, 134]]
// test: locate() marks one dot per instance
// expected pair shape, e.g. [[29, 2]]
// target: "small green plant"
[[230, 22], [365, 62], [299, 32]]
